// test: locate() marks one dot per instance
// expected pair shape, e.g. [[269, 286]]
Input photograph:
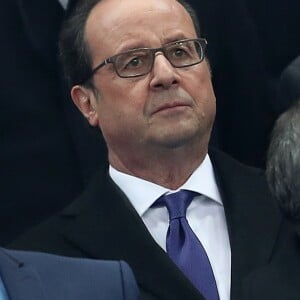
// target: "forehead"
[[113, 22]]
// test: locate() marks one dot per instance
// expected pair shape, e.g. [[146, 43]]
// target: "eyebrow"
[[127, 46], [176, 37], [131, 46]]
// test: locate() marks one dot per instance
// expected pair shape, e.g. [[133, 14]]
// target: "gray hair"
[[283, 161]]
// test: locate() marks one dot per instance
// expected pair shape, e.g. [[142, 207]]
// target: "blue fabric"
[[40, 276], [3, 293], [184, 247]]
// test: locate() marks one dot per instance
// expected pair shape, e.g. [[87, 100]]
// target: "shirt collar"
[[142, 193]]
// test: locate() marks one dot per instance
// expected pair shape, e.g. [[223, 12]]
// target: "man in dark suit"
[[137, 70], [38, 276], [47, 149]]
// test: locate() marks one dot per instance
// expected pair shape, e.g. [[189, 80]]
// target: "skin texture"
[[157, 126]]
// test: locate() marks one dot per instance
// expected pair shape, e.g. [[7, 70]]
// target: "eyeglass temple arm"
[[105, 62]]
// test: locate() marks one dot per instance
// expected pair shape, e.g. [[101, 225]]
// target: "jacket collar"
[[127, 238]]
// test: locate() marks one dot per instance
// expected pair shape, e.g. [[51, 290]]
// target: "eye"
[[134, 63], [179, 52], [182, 53], [133, 60]]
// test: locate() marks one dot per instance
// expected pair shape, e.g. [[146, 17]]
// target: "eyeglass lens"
[[140, 61]]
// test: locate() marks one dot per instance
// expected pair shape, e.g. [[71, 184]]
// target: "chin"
[[176, 139]]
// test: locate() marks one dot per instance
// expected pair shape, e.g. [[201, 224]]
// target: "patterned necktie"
[[184, 247]]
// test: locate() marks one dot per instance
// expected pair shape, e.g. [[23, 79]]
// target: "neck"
[[170, 168]]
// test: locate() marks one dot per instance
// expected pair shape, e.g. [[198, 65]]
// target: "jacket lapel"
[[127, 238], [20, 279], [245, 198]]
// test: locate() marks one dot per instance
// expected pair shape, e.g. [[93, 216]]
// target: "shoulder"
[[50, 235], [66, 266], [89, 278], [45, 237]]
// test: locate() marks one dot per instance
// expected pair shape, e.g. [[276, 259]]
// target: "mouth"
[[170, 107]]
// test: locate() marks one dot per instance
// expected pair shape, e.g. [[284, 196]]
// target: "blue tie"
[[184, 247]]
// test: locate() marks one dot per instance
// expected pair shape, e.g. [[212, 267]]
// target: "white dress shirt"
[[205, 215]]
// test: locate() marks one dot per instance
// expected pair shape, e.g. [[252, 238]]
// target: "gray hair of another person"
[[283, 162]]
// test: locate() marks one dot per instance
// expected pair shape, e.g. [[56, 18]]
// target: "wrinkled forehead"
[[109, 10], [117, 20]]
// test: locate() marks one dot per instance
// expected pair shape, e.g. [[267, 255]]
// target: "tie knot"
[[177, 203]]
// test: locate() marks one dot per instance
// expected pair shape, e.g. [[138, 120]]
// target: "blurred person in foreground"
[[27, 275], [192, 222]]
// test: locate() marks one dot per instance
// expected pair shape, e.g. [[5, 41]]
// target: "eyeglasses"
[[139, 62]]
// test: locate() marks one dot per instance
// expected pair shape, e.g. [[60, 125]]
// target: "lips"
[[168, 106]]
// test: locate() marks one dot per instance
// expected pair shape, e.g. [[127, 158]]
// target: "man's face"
[[167, 108]]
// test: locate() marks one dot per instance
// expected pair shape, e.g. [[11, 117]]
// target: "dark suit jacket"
[[38, 276], [46, 149], [278, 280], [102, 223]]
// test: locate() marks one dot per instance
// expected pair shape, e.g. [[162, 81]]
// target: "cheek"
[[199, 85], [121, 105]]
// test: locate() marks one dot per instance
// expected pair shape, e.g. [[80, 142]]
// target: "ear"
[[85, 101]]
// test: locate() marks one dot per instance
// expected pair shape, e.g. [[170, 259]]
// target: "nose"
[[164, 74]]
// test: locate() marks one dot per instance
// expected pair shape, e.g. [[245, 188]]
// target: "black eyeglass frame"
[[111, 60]]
